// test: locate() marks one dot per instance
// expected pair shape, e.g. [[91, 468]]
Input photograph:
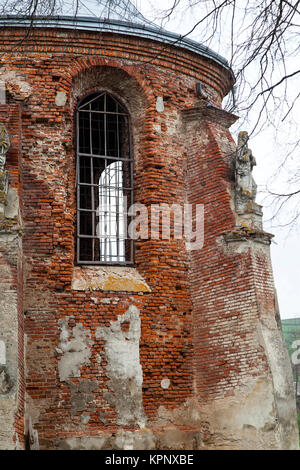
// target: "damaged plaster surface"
[[142, 439], [246, 420], [164, 433], [109, 278], [123, 367], [81, 396], [15, 84], [272, 340], [75, 351], [2, 352], [262, 412], [7, 422], [9, 342], [12, 204]]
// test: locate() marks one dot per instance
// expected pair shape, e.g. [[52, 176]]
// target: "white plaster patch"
[[76, 351], [61, 98], [85, 418], [139, 440], [123, 367], [12, 204], [2, 92], [2, 352], [271, 339], [84, 443], [165, 383], [160, 107]]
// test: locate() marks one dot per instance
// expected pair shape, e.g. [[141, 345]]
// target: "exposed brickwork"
[[223, 283], [200, 311]]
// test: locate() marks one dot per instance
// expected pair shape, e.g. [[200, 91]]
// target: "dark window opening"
[[104, 181]]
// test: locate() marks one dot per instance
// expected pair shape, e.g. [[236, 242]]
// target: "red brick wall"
[[224, 284], [12, 257], [195, 320]]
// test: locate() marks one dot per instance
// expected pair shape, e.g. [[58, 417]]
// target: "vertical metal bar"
[[90, 123], [93, 209], [100, 220], [105, 210], [118, 164], [105, 181], [130, 163], [77, 186], [109, 212], [105, 142], [91, 176]]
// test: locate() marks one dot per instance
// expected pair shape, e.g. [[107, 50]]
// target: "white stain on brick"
[[160, 107], [76, 351], [2, 353], [165, 383], [2, 92], [61, 98]]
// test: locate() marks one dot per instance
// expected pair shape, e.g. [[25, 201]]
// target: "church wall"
[[133, 357], [11, 298]]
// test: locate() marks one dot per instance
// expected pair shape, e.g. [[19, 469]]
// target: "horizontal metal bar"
[[94, 185], [100, 112], [101, 211], [108, 157], [102, 237], [107, 263]]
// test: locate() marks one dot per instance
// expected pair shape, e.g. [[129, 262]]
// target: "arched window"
[[104, 181]]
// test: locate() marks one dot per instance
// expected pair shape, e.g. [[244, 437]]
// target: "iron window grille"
[[104, 181]]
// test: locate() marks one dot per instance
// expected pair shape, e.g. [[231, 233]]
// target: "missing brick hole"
[[71, 323], [42, 120], [125, 326]]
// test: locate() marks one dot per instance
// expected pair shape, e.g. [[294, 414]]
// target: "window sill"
[[108, 278]]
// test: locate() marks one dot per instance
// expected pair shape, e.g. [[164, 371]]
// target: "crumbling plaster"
[[123, 367], [75, 351], [9, 338], [15, 84], [236, 421]]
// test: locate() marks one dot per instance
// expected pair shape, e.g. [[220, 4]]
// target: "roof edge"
[[116, 26]]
